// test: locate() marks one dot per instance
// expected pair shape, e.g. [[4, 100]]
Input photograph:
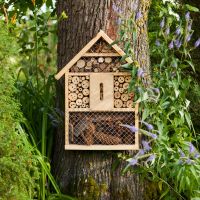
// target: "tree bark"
[[91, 174]]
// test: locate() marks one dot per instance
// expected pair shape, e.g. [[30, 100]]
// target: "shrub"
[[18, 166]]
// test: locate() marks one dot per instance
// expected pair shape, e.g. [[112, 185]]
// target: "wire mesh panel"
[[100, 128]]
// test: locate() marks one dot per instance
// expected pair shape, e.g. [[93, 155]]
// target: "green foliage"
[[18, 165], [173, 160], [33, 25]]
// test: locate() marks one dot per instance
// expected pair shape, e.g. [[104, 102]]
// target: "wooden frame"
[[95, 105]]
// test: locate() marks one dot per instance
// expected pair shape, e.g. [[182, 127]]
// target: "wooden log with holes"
[[108, 60], [80, 64], [124, 97], [117, 95], [118, 103], [72, 96], [121, 79], [101, 60]]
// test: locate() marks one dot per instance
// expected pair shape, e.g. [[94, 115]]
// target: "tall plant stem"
[[44, 127], [36, 47]]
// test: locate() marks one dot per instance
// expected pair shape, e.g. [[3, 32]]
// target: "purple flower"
[[151, 158], [138, 15], [188, 38], [157, 43], [162, 23], [140, 73], [180, 162], [171, 45], [167, 31], [133, 161], [178, 43], [132, 128], [119, 21], [178, 30], [188, 161], [149, 126], [191, 148], [139, 89], [116, 9], [189, 26], [187, 16], [196, 155], [181, 153], [197, 43], [146, 146], [154, 136], [134, 6], [156, 90], [140, 153]]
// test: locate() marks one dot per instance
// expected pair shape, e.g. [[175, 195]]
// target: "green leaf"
[[191, 64], [145, 114], [164, 193], [160, 185], [191, 8], [188, 119]]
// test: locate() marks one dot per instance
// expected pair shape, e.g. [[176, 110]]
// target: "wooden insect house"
[[97, 101]]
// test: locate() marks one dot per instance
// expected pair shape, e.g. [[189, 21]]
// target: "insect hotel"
[[97, 102]]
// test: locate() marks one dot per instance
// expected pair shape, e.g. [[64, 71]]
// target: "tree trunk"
[[94, 174]]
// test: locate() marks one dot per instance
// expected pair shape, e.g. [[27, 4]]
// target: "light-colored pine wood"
[[86, 48], [95, 101], [83, 93], [66, 111], [102, 147], [101, 110], [101, 55]]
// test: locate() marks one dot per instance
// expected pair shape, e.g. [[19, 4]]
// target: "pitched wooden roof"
[[101, 34]]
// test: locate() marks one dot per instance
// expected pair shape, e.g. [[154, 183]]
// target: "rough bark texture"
[[89, 174]]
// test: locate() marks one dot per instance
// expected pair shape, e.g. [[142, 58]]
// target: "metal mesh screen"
[[103, 128]]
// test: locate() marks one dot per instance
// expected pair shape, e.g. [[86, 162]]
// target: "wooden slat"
[[106, 80], [101, 55], [101, 147], [66, 113], [101, 110], [100, 73]]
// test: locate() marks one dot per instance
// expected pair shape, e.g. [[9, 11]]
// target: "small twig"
[[5, 14]]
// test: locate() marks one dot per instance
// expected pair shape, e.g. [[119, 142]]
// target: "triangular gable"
[[101, 34]]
